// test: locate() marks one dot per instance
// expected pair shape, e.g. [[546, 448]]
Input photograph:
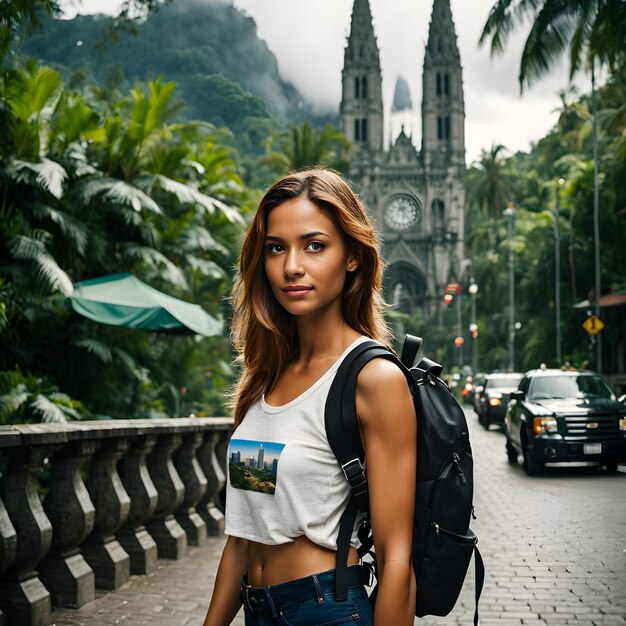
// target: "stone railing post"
[[110, 562], [23, 597], [195, 484], [65, 573], [8, 545], [144, 497], [221, 452], [170, 537], [71, 538], [8, 536], [212, 516]]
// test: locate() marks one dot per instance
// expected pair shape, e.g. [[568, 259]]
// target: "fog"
[[308, 39]]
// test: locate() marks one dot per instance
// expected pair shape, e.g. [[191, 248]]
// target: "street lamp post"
[[557, 271], [473, 290], [459, 327], [510, 213], [596, 212]]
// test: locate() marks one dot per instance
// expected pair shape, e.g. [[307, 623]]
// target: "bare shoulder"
[[380, 376], [383, 397]]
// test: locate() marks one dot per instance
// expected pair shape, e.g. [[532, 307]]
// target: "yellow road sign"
[[593, 325]]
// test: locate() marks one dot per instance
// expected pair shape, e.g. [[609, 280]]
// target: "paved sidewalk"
[[177, 594], [554, 549]]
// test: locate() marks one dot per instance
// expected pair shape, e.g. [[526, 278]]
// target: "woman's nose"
[[293, 264]]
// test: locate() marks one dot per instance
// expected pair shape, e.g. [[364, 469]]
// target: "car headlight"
[[495, 402], [622, 423], [545, 425]]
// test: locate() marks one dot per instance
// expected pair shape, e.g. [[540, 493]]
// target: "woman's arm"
[[225, 601], [387, 417]]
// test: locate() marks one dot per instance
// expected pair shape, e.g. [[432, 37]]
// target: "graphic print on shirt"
[[253, 465]]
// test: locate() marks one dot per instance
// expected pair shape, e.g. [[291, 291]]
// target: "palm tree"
[[594, 27], [303, 146], [489, 181], [591, 28], [90, 189]]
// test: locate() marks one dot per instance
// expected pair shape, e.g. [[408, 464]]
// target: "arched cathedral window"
[[360, 129], [364, 87], [446, 84], [443, 127], [438, 215], [357, 90]]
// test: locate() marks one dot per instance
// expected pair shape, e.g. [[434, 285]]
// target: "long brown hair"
[[263, 333]]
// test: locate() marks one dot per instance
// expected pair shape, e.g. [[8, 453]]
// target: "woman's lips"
[[297, 291]]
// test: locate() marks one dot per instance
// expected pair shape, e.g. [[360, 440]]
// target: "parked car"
[[558, 416], [494, 397], [474, 384]]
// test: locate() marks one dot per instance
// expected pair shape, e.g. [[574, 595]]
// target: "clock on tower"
[[402, 213]]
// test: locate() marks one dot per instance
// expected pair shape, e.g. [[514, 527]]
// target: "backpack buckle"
[[355, 473]]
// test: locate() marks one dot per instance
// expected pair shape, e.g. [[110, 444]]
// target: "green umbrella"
[[123, 300]]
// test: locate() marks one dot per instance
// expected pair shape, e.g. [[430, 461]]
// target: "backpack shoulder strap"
[[340, 417], [410, 348], [342, 430]]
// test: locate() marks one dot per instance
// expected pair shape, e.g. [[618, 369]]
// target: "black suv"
[[494, 396], [558, 416]]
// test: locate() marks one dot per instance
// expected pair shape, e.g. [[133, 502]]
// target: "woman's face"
[[306, 258]]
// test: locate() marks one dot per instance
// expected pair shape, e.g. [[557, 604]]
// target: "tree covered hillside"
[[225, 73]]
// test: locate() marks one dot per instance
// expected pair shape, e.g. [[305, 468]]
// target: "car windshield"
[[562, 387], [504, 381]]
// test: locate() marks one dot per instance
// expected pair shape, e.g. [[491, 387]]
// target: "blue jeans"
[[306, 601]]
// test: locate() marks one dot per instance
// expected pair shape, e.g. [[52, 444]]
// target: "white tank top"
[[283, 479]]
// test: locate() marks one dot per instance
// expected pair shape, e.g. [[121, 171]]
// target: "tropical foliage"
[[531, 182], [96, 179], [590, 30], [93, 186]]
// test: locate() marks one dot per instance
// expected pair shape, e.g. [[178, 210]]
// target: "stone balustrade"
[[84, 505]]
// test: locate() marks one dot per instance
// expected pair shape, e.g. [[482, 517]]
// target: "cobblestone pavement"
[[554, 549]]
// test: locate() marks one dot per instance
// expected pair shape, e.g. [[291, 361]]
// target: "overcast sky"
[[308, 39]]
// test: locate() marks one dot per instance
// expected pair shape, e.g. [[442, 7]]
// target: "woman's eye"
[[275, 248], [316, 246]]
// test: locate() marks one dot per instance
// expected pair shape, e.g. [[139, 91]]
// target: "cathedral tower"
[[443, 108], [416, 199], [443, 145], [361, 113]]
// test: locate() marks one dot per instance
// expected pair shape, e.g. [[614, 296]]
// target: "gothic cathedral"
[[416, 198]]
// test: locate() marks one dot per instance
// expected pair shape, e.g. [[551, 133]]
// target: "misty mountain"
[[224, 71]]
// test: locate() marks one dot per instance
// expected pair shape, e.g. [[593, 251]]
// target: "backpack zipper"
[[454, 536], [455, 459]]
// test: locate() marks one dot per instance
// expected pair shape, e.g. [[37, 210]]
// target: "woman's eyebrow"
[[315, 233]]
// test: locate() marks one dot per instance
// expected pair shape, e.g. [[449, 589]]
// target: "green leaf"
[[48, 174], [72, 229], [48, 410], [170, 271], [186, 194], [97, 348], [140, 373], [206, 268], [119, 192], [24, 248]]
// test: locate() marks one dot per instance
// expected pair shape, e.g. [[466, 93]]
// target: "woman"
[[309, 290]]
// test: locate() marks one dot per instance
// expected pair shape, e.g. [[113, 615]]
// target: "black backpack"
[[443, 543]]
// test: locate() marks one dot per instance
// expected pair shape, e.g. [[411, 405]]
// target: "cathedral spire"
[[361, 112], [442, 46], [361, 18], [443, 109]]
